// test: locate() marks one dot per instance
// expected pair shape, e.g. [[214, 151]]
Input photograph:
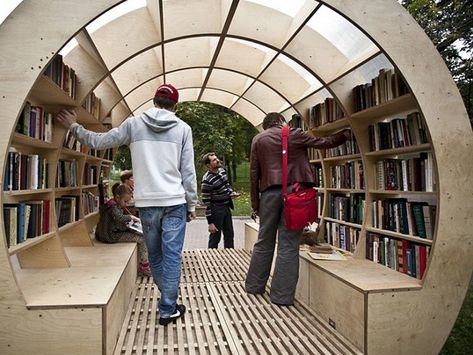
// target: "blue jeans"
[[163, 230]]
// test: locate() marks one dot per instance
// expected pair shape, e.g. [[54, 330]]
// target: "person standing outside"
[[267, 202], [165, 191], [217, 195]]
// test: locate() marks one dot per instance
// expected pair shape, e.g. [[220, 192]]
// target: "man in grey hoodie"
[[165, 191]]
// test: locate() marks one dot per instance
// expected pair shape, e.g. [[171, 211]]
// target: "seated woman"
[[112, 226], [126, 178]]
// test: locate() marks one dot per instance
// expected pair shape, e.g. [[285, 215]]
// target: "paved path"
[[197, 235]]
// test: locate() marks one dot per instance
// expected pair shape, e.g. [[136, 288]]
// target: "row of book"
[[342, 236], [348, 176], [90, 203], [313, 154], [61, 74], [350, 147], [411, 174], [400, 255], [398, 133], [297, 122], [386, 86], [108, 155], [318, 174], [92, 105], [35, 122], [25, 171], [90, 174], [403, 216], [67, 173], [71, 142], [24, 220], [325, 112], [320, 203], [347, 208], [67, 209]]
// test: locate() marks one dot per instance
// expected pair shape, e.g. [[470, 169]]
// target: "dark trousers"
[[222, 216], [286, 269]]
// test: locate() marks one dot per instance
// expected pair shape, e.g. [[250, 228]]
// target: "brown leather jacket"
[[265, 165]]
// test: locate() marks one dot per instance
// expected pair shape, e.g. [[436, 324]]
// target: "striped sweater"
[[216, 191]]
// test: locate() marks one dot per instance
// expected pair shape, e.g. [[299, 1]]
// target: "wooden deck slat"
[[221, 317]]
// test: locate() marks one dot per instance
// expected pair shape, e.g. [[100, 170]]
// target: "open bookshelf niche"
[[51, 181], [386, 170]]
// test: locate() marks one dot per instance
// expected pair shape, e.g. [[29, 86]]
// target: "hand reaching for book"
[[66, 117]]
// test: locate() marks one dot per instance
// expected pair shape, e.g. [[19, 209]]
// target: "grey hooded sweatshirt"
[[162, 155]]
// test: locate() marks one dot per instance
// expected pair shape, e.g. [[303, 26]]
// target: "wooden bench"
[[353, 296], [80, 309]]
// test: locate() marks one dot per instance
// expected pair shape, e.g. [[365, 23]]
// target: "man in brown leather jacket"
[[267, 202]]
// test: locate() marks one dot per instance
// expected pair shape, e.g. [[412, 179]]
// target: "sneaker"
[[180, 310], [144, 269]]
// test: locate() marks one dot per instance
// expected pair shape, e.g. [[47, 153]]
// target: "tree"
[[122, 158], [449, 24], [215, 129], [218, 129]]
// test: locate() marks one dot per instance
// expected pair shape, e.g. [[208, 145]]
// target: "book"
[[135, 226], [335, 255], [322, 248]]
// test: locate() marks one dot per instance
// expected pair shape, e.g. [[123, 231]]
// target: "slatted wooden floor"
[[221, 317]]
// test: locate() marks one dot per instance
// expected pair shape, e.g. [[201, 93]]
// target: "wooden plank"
[[145, 312], [124, 330], [190, 343], [137, 308], [152, 322], [243, 320], [225, 321], [222, 318]]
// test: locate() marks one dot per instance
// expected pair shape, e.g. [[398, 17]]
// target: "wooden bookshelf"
[[64, 271]]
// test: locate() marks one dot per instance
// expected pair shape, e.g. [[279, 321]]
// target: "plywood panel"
[[303, 284], [114, 312], [51, 332], [339, 305]]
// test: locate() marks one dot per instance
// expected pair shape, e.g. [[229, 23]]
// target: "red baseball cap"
[[168, 91]]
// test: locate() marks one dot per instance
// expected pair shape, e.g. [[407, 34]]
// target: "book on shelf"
[[67, 209], [386, 86], [62, 75], [347, 176], [325, 112], [342, 236], [24, 220], [67, 173], [92, 105], [335, 255], [411, 174], [401, 255], [347, 208], [25, 171], [350, 147], [398, 132], [35, 122]]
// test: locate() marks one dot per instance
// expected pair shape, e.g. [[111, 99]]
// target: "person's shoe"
[[180, 310], [144, 269]]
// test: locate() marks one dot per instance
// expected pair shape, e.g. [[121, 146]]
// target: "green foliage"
[[449, 24], [217, 129], [123, 158], [461, 337]]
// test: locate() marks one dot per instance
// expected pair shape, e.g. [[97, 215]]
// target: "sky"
[[7, 6]]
